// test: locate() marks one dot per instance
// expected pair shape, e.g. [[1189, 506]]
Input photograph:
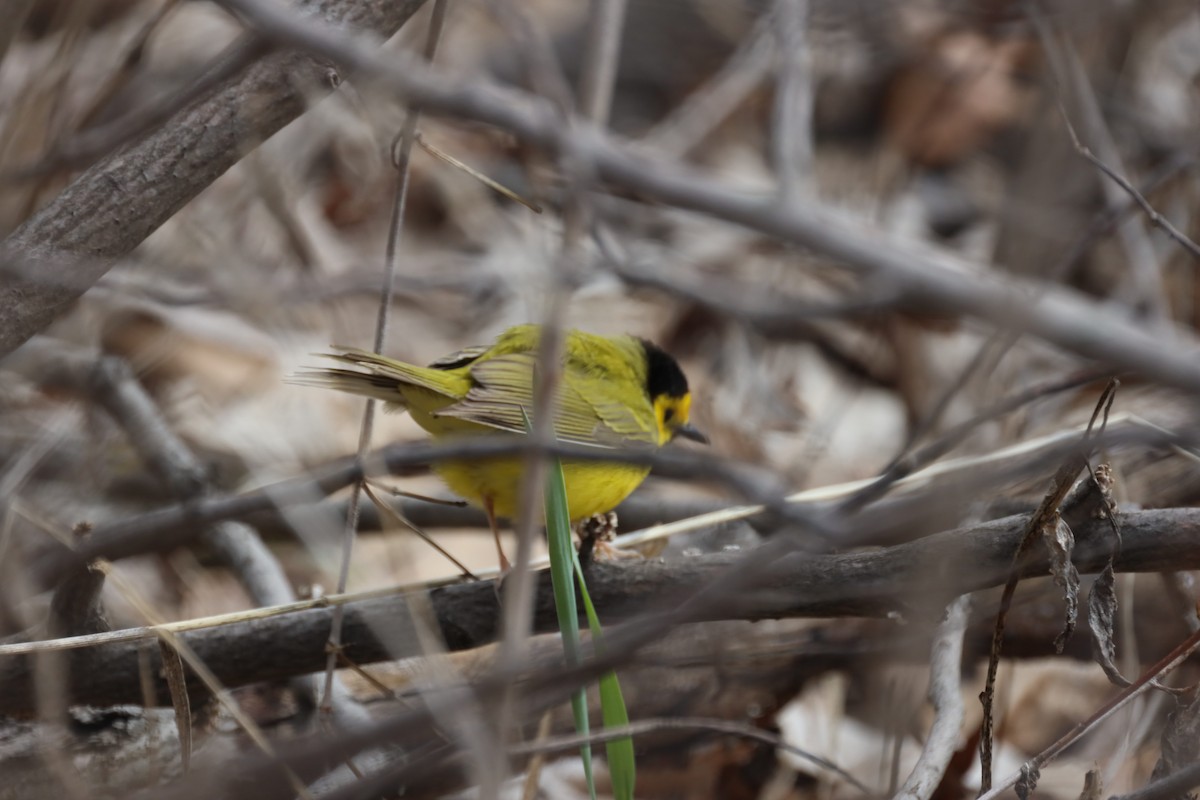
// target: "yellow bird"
[[614, 391]]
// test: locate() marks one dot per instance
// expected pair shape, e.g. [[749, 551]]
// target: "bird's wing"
[[460, 358], [587, 410]]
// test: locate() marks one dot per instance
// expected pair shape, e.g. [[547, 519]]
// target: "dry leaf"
[[1102, 611], [1061, 542]]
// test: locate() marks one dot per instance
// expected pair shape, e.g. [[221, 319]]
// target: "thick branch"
[[109, 209], [914, 578]]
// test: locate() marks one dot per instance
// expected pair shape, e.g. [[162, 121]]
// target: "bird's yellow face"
[[672, 414]]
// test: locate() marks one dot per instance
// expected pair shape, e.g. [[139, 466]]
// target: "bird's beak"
[[689, 431]]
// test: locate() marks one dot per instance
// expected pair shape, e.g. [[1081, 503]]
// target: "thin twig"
[[791, 134], [601, 59], [945, 693], [1104, 221], [496, 187], [533, 771], [1061, 483], [1070, 75], [595, 96], [1152, 214], [907, 462], [772, 313], [402, 157], [398, 517], [1146, 681], [470, 728], [709, 105]]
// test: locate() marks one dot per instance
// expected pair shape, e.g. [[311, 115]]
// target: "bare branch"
[[113, 206], [872, 583], [111, 383], [711, 103], [1144, 262], [601, 59], [791, 138], [945, 692], [402, 156]]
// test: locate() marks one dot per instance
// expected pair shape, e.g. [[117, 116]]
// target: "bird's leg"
[[490, 510], [595, 538]]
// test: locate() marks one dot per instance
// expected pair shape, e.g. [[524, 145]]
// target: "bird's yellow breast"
[[592, 487]]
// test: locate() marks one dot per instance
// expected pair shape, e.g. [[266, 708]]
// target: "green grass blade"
[[622, 768], [562, 577]]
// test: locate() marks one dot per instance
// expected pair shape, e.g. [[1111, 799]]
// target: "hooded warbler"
[[614, 391]]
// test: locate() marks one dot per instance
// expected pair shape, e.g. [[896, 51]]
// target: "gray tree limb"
[[914, 579], [112, 207]]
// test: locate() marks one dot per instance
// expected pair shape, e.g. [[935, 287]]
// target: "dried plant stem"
[[201, 670], [1074, 87], [1147, 680], [402, 155], [599, 75], [1061, 483]]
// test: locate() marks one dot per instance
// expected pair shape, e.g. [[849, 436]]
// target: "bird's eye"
[[668, 414]]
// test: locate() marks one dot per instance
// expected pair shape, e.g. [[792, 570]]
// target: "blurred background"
[[943, 122]]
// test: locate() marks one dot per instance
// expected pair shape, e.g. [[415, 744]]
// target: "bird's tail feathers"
[[384, 378], [364, 384]]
